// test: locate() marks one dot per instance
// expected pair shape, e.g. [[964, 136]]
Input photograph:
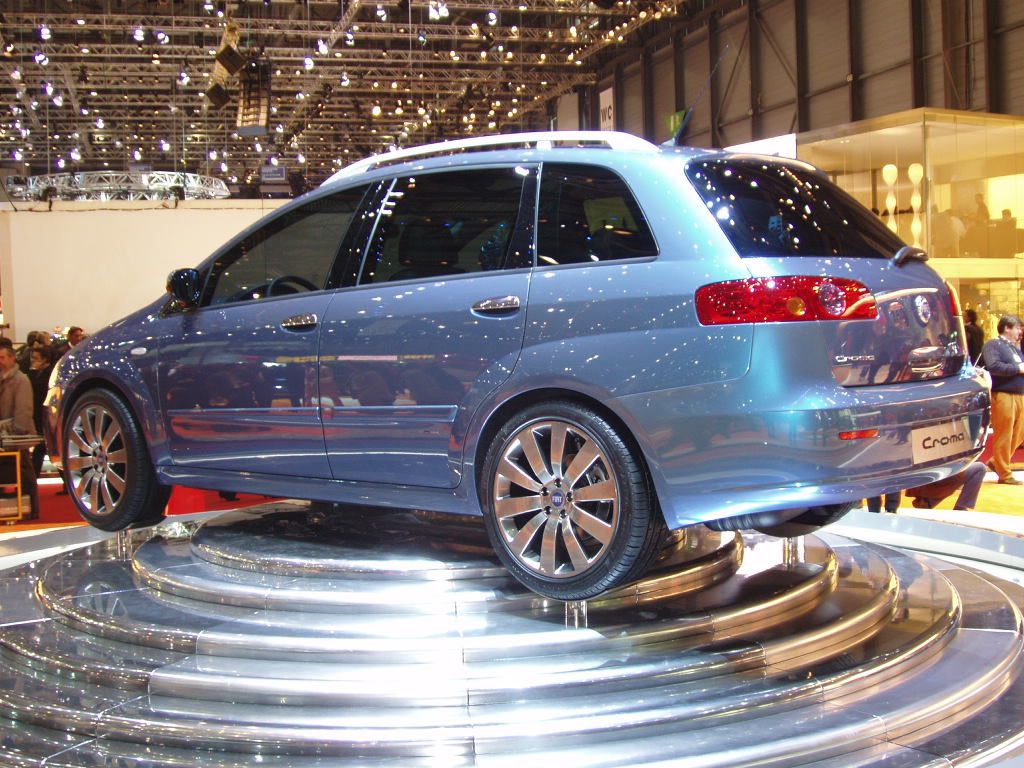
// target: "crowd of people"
[[24, 379]]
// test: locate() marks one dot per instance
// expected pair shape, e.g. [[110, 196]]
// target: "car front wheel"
[[107, 466], [567, 505]]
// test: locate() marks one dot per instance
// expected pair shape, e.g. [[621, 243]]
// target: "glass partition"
[[947, 181]]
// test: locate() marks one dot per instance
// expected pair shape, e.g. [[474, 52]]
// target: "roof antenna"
[[677, 140]]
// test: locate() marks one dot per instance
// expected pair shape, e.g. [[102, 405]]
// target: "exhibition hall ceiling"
[[112, 84]]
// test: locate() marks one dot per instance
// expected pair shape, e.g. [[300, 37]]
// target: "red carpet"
[[55, 509]]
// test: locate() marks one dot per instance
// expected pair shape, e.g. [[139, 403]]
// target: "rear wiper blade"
[[909, 252]]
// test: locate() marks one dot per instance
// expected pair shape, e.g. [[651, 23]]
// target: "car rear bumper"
[[710, 465]]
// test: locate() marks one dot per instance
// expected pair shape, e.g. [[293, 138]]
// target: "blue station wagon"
[[583, 337]]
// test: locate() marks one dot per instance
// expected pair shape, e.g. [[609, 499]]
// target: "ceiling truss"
[[117, 84]]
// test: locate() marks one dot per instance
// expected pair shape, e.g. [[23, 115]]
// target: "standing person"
[[981, 214], [16, 417], [967, 482], [892, 503], [74, 336], [40, 367], [1003, 360], [975, 335]]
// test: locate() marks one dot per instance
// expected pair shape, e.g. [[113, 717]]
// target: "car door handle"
[[299, 323], [497, 305]]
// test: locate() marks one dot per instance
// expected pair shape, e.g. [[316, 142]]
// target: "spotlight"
[[48, 88], [492, 18], [137, 154], [139, 34], [58, 100], [44, 32], [345, 81], [301, 158], [164, 146], [99, 122], [212, 154], [41, 59], [322, 47], [350, 39], [162, 37], [76, 154], [382, 13], [60, 162], [184, 78], [421, 38], [308, 63], [16, 74]]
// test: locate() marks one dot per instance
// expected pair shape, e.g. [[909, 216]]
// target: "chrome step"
[[734, 651]]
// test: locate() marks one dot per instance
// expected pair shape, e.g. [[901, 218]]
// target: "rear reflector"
[[784, 299], [858, 434]]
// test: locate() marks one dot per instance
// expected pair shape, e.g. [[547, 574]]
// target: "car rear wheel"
[[567, 505], [107, 467]]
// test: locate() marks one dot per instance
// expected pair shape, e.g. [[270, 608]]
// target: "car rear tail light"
[[783, 299], [954, 300]]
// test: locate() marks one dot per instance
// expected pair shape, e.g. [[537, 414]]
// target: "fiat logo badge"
[[923, 307]]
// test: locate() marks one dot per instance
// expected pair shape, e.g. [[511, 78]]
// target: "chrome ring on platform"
[[303, 633]]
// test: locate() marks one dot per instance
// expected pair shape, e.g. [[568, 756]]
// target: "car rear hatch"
[[815, 254]]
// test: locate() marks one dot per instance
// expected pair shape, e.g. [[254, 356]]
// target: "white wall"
[[90, 263]]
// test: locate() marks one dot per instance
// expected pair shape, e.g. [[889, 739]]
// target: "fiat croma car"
[[583, 337]]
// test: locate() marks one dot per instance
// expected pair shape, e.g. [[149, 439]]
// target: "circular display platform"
[[295, 634]]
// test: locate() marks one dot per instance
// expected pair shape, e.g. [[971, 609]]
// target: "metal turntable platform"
[[295, 635]]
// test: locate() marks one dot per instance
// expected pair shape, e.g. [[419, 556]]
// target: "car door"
[[434, 324], [238, 374]]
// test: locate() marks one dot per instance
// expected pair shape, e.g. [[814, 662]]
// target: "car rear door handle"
[[497, 305], [299, 323]]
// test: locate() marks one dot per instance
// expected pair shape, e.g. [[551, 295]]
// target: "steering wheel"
[[294, 280]]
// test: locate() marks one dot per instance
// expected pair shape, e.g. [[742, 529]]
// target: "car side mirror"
[[185, 285]]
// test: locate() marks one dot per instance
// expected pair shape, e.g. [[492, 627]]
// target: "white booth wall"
[[91, 263]]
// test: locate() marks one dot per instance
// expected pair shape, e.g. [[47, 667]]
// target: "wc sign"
[[606, 102]]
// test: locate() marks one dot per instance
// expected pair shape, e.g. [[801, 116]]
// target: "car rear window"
[[776, 209]]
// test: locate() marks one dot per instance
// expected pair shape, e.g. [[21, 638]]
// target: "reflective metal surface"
[[297, 634]]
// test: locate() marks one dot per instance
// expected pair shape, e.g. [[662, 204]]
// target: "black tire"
[[107, 468], [809, 521], [552, 539]]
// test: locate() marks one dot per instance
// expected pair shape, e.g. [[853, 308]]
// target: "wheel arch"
[[523, 400]]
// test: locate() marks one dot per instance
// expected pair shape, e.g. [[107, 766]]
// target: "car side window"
[[450, 223], [292, 253], [588, 214]]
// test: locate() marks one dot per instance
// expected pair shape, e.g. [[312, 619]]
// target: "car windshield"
[[776, 209]]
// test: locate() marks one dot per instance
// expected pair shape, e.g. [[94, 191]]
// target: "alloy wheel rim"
[[97, 460], [556, 499]]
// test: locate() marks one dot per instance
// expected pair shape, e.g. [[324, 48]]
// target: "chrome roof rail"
[[533, 140]]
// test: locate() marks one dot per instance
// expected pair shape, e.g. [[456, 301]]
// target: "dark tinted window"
[[588, 214], [441, 224], [292, 253], [774, 209]]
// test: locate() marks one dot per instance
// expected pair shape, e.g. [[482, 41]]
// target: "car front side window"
[[292, 253]]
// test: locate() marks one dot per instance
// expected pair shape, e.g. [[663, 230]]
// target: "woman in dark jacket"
[[40, 367]]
